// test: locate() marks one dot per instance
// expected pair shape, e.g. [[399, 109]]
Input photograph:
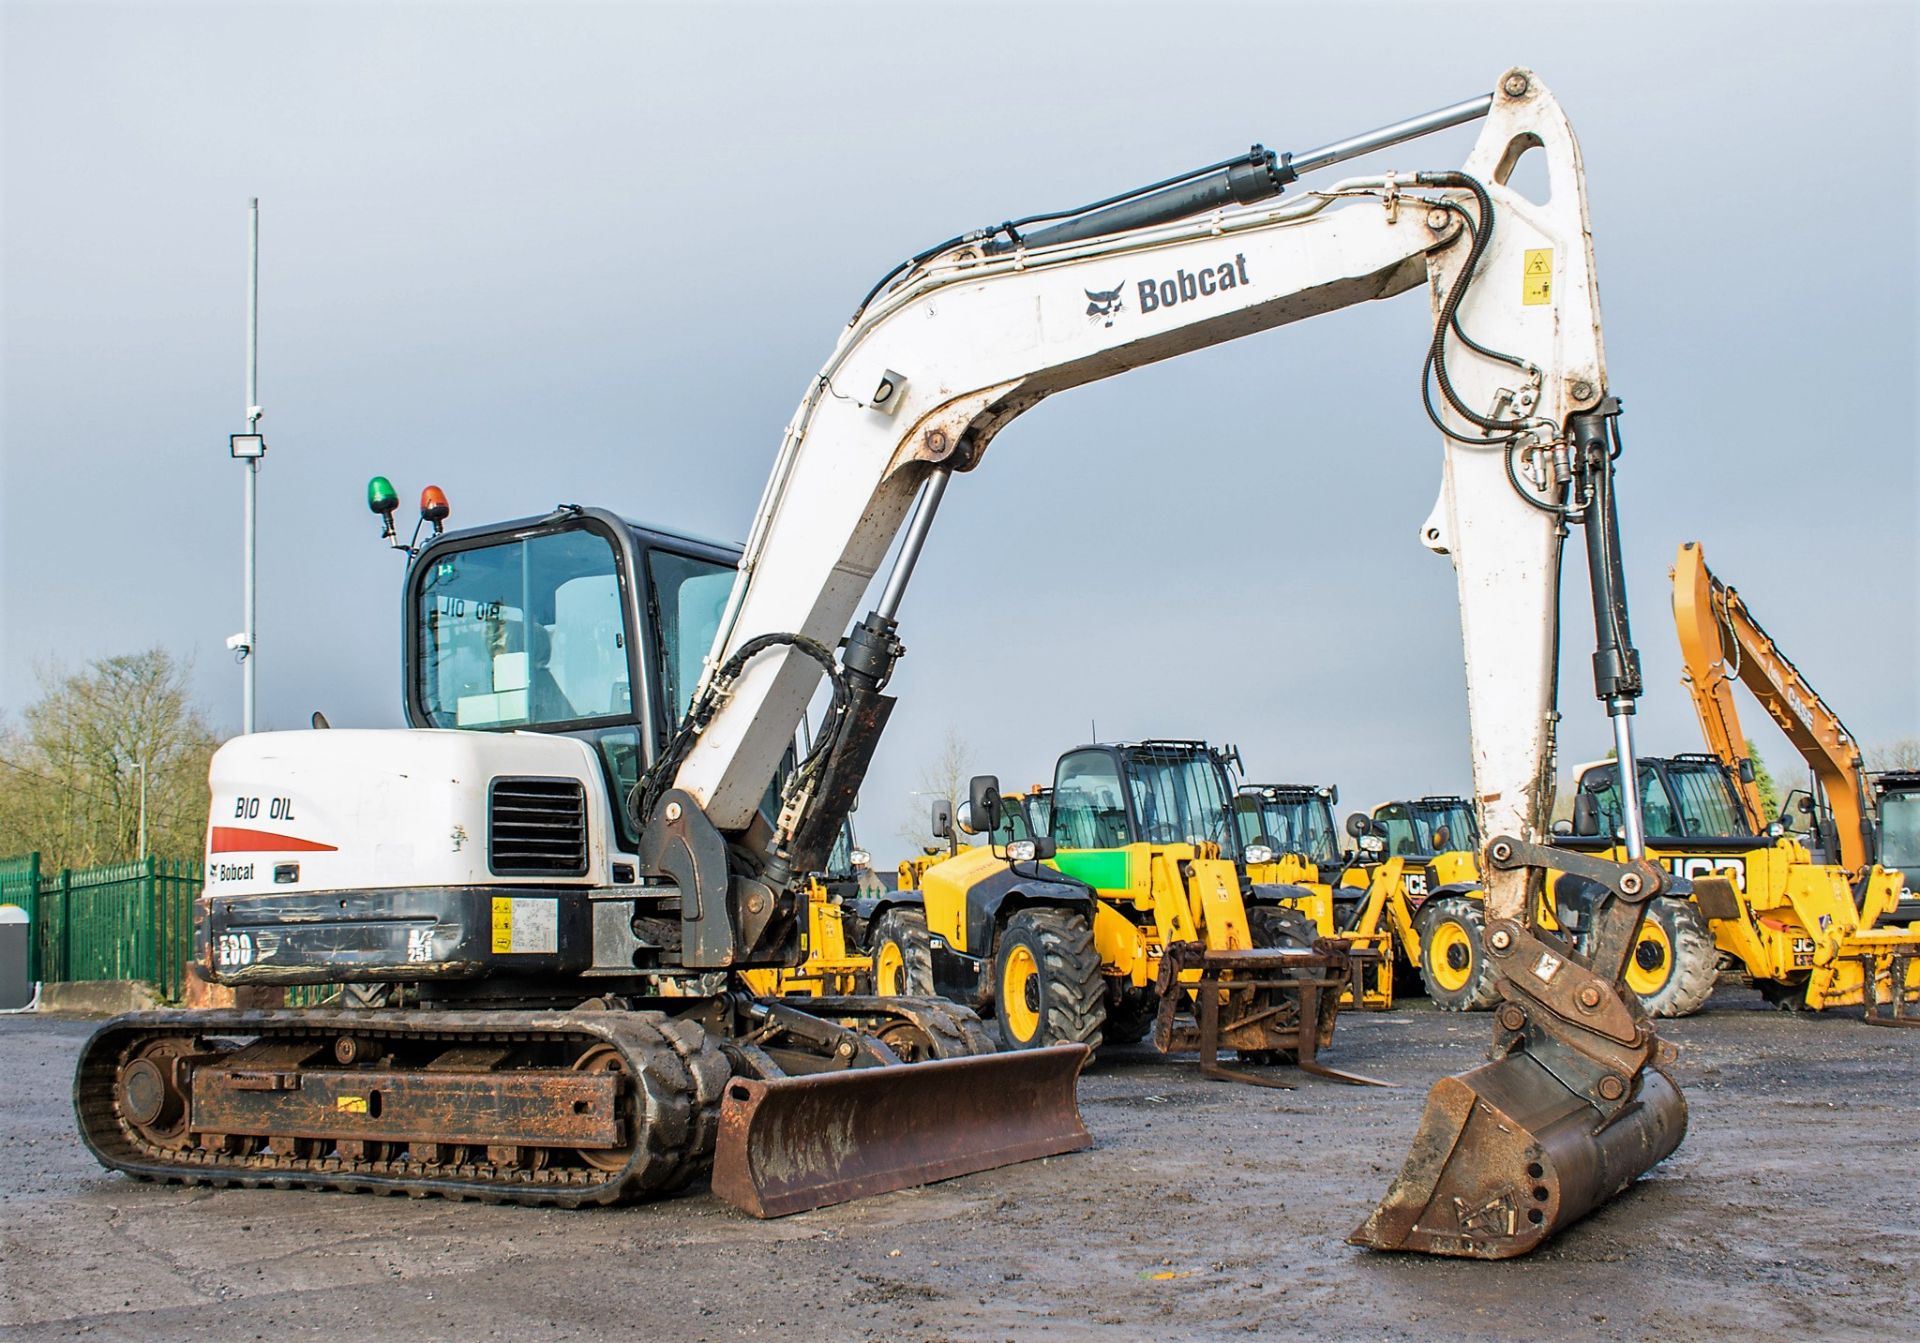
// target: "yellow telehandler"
[[1132, 915], [1289, 844]]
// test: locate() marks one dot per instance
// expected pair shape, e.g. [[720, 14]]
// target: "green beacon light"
[[384, 500]]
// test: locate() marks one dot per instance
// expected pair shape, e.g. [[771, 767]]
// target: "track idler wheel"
[[604, 1058], [152, 1094]]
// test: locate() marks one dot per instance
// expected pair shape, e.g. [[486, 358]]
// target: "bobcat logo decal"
[[1104, 303]]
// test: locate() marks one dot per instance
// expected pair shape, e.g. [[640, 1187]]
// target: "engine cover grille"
[[537, 827]]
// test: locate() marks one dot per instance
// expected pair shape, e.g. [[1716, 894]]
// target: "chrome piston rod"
[[1400, 131], [913, 542]]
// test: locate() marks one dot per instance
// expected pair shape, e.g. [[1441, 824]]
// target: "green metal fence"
[[125, 921]]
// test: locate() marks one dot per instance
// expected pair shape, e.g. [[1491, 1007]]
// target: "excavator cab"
[[580, 624], [1898, 793]]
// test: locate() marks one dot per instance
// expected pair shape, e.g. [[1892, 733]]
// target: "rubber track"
[[674, 1106]]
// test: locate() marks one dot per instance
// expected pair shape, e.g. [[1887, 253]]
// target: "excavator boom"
[[972, 333]]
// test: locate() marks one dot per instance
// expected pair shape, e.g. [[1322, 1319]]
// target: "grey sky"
[[545, 253]]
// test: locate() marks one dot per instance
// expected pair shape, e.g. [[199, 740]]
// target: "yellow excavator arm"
[[1720, 643]]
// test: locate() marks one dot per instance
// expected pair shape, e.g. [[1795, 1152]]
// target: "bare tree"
[[944, 776], [72, 770], [1900, 753]]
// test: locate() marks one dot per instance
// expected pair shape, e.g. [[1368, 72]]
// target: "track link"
[[669, 1077]]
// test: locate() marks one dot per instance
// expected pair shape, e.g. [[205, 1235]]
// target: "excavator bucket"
[[795, 1143], [1506, 1155], [1571, 1110]]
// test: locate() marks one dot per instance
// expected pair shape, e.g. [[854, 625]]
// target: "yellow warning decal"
[[502, 923], [1536, 281], [350, 1105]]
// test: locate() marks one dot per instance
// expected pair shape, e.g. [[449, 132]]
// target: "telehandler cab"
[[1288, 843]]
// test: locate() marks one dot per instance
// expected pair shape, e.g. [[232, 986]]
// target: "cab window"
[[1403, 833], [688, 597], [526, 632], [1656, 804], [1013, 824], [1089, 810], [1705, 804], [1900, 833]]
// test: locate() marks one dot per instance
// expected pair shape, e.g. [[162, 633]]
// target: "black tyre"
[[1048, 989], [1674, 963], [939, 1030], [1130, 1014], [1453, 957], [1282, 927], [902, 955], [366, 996]]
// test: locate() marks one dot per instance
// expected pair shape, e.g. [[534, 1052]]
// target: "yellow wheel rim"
[[1019, 978], [1449, 955], [1652, 963], [890, 970]]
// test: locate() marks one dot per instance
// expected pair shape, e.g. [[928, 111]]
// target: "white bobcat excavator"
[[572, 850]]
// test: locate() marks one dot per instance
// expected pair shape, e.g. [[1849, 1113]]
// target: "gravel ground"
[[1207, 1210]]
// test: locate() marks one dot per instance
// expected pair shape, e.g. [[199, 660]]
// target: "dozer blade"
[[1506, 1155], [804, 1142]]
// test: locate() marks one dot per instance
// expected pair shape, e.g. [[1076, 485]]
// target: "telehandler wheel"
[[1453, 961], [1048, 989], [1277, 926], [939, 1030], [1674, 961], [1130, 1014], [902, 955]]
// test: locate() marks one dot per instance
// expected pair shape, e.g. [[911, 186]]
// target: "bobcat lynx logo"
[[1104, 303]]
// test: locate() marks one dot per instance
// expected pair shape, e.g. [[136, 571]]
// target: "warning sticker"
[[1536, 281], [523, 926], [350, 1105]]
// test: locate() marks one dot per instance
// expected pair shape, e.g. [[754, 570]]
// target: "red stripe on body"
[[233, 839]]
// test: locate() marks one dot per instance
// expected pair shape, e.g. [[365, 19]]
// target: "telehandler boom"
[[683, 880]]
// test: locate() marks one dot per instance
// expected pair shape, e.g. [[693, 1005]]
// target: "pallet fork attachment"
[[1901, 1006], [1247, 1000]]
